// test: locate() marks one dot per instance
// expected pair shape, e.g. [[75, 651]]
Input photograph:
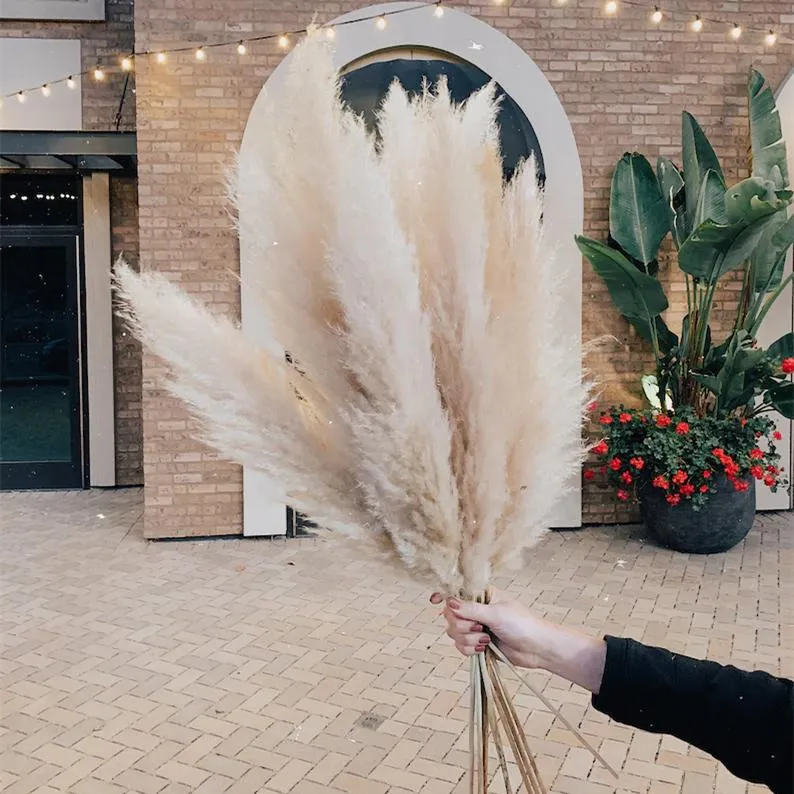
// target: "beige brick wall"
[[622, 84]]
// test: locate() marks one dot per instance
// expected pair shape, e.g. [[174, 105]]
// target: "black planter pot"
[[719, 525]]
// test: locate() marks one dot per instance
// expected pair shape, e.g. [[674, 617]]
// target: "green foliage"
[[715, 229]]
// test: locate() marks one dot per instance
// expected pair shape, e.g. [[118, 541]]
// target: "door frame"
[[53, 475]]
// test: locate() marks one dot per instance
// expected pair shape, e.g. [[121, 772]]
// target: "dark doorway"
[[41, 420]]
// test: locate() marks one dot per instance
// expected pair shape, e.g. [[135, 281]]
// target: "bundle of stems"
[[414, 386]]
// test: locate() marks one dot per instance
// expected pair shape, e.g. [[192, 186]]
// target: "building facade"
[[587, 86]]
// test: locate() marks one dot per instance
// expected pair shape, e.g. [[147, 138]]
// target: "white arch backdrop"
[[469, 39]]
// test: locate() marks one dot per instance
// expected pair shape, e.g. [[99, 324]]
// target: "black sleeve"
[[745, 720]]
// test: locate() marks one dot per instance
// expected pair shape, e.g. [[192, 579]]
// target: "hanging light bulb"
[[201, 54], [70, 83], [696, 25], [126, 64], [241, 48], [657, 16], [283, 41], [611, 7], [99, 74], [380, 22], [770, 39], [438, 12], [21, 97], [330, 33], [160, 57], [45, 90], [736, 32]]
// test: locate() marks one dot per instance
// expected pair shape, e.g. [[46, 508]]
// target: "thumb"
[[471, 610]]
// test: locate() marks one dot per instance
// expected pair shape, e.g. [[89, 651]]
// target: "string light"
[[21, 97], [70, 83], [770, 39], [126, 63], [99, 74], [657, 16], [201, 54], [161, 57], [438, 12], [283, 41], [696, 25], [736, 32], [241, 48], [611, 7], [380, 22], [45, 90]]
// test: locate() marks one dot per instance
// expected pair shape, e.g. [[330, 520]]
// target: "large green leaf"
[[713, 249], [769, 148], [711, 201], [635, 294], [769, 257], [638, 218], [699, 159], [671, 184], [782, 348], [751, 198], [666, 338], [782, 399]]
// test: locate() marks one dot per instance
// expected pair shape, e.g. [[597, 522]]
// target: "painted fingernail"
[[476, 627], [484, 640], [454, 603]]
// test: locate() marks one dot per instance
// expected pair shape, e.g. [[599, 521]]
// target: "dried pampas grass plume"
[[430, 397]]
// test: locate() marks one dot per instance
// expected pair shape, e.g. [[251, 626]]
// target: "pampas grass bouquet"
[[414, 352]]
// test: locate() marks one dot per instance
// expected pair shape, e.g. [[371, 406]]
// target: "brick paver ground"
[[299, 667]]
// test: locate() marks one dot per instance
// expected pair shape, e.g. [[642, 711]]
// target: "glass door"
[[40, 407]]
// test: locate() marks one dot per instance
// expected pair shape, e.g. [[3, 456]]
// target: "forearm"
[[576, 658]]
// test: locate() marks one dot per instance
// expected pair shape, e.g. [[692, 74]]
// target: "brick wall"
[[126, 349], [622, 83]]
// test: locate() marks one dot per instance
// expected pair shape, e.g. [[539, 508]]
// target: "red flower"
[[663, 420], [601, 448], [638, 463], [772, 469], [719, 453], [673, 498], [706, 474], [615, 464], [731, 469], [777, 435], [660, 482], [680, 477], [740, 485], [624, 419], [704, 489], [757, 472], [623, 495], [687, 490], [787, 365], [682, 428], [605, 419], [626, 477], [770, 480], [743, 422], [589, 474], [757, 454], [592, 406]]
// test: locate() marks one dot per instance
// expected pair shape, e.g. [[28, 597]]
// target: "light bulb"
[[696, 25], [70, 83], [201, 54], [99, 74], [283, 41], [770, 39], [380, 23], [438, 12], [656, 16], [45, 90], [160, 57], [611, 7], [241, 48], [330, 33], [21, 97], [126, 64], [736, 32]]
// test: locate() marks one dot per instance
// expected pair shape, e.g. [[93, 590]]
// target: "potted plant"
[[710, 399]]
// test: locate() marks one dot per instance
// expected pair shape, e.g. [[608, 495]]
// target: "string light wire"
[[768, 38]]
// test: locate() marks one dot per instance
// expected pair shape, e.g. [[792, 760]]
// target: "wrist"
[[577, 658]]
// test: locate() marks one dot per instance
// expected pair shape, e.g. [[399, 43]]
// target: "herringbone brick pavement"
[[272, 666]]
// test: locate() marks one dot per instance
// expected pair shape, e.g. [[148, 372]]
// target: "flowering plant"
[[683, 455]]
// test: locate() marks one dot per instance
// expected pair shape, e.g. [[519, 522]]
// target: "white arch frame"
[[780, 319], [503, 60]]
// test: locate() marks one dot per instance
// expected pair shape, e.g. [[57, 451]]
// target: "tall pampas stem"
[[413, 353]]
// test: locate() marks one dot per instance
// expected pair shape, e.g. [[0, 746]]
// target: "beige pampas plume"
[[415, 385]]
